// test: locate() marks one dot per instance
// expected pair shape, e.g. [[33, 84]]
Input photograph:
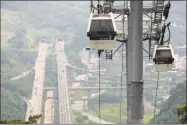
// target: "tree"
[[32, 120], [80, 119], [182, 114], [85, 117]]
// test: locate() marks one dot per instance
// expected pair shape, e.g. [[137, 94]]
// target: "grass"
[[111, 113], [74, 117], [148, 117], [79, 94], [25, 84]]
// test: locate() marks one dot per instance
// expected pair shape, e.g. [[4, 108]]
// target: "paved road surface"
[[64, 102], [49, 108], [37, 91]]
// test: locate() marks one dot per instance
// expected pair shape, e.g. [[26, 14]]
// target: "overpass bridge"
[[73, 67], [106, 82], [105, 88]]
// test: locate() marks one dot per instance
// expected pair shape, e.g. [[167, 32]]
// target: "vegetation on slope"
[[168, 112], [50, 20], [32, 120], [182, 113], [81, 119], [13, 63]]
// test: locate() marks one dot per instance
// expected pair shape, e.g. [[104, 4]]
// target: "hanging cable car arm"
[[163, 34]]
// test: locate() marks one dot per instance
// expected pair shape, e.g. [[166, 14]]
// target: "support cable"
[[163, 34], [99, 54], [155, 99], [150, 53], [121, 83]]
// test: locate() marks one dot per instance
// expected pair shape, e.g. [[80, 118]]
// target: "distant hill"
[[53, 19], [71, 18]]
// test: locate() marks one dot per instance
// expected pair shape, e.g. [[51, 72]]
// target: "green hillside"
[[13, 63], [168, 112]]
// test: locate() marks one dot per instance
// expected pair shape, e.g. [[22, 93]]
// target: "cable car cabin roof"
[[163, 47], [102, 15], [103, 22], [106, 25], [101, 18]]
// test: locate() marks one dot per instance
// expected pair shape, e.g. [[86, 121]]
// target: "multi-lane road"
[[63, 95], [49, 108], [37, 91]]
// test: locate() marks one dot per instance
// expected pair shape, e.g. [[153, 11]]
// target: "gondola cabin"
[[163, 57], [101, 31]]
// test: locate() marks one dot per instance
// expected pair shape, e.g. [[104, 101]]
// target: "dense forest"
[[24, 23]]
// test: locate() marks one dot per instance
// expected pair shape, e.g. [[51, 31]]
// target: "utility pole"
[[134, 56], [128, 68], [137, 62]]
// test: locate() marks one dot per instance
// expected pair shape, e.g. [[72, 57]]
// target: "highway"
[[37, 91], [63, 95], [49, 108]]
